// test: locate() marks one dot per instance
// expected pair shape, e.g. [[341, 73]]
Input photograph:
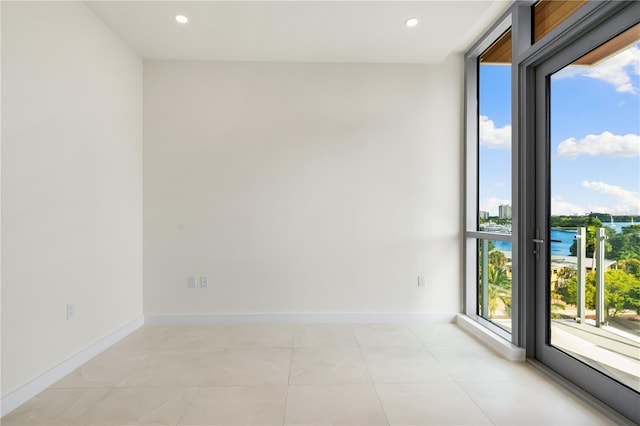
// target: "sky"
[[595, 137]]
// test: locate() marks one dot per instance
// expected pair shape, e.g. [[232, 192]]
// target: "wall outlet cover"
[[191, 282], [71, 311], [204, 282]]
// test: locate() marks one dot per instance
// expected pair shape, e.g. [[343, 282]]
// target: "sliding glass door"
[[587, 238]]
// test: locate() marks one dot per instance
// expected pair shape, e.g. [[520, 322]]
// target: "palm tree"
[[497, 258], [499, 288]]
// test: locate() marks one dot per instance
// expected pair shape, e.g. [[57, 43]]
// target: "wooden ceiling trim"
[[499, 52], [548, 14], [613, 46]]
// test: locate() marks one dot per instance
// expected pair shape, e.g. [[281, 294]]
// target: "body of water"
[[619, 225], [564, 239]]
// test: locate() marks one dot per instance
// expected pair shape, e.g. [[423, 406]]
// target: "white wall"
[[71, 185], [302, 188], [0, 207]]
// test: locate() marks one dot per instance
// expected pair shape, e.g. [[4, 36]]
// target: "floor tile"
[[443, 335], [206, 337], [322, 335], [174, 368], [105, 370], [139, 406], [377, 335], [258, 366], [252, 336], [366, 374], [429, 404], [329, 365], [237, 405], [334, 405], [176, 337], [403, 365], [538, 403], [54, 407], [481, 364]]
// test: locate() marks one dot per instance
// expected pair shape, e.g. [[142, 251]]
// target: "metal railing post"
[[600, 312], [581, 272], [485, 278]]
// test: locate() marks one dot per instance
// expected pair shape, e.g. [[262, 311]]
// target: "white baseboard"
[[14, 399], [299, 318], [497, 343]]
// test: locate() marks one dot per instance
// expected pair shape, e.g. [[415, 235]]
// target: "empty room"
[[320, 212]]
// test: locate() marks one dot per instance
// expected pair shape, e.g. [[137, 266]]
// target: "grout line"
[[199, 388], [451, 376], [286, 398], [474, 401], [189, 405], [284, 410], [290, 364], [375, 388], [448, 373], [109, 389]]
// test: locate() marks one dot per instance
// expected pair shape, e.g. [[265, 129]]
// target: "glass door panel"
[[594, 232], [587, 237]]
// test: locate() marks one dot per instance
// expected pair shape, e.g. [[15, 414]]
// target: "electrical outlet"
[[191, 282], [421, 282], [204, 282], [71, 311]]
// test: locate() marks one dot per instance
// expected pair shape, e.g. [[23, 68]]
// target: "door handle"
[[535, 249], [537, 241]]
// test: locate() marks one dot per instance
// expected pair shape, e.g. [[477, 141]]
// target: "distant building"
[[504, 211], [484, 215]]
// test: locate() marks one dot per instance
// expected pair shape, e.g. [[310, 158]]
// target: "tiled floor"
[[418, 374]]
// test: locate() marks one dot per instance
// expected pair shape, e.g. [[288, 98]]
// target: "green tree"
[[617, 290], [568, 291], [497, 259], [621, 291], [497, 280], [590, 234], [564, 276], [630, 266], [499, 288], [498, 277], [633, 300], [626, 244], [575, 221]]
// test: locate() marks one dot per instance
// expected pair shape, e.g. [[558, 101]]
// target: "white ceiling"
[[300, 31]]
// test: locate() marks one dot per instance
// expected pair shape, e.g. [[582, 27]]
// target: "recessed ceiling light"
[[182, 19], [411, 22]]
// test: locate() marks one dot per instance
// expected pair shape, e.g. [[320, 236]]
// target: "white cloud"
[[492, 136], [617, 70], [605, 144], [628, 202], [570, 71], [491, 205], [561, 207]]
